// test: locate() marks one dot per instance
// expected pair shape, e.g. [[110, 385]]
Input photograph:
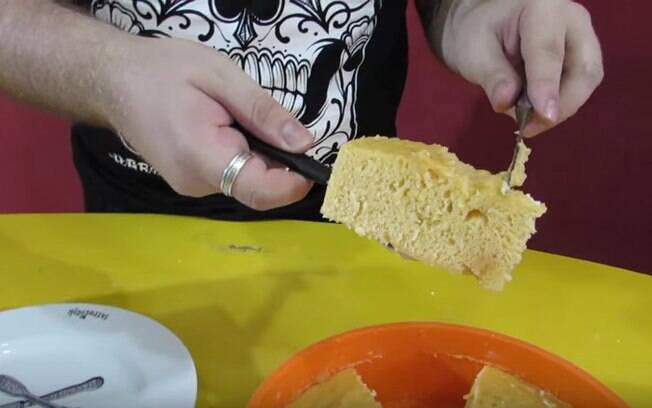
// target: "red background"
[[593, 172]]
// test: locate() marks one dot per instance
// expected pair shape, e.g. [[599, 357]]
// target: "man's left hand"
[[551, 43]]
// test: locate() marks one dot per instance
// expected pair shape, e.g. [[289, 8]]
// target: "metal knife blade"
[[523, 113]]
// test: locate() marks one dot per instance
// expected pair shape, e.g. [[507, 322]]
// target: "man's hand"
[[172, 100], [498, 43], [178, 100]]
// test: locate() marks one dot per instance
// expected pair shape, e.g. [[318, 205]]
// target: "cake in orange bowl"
[[424, 365]]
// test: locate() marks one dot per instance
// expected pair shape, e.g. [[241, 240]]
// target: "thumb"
[[488, 66], [255, 109]]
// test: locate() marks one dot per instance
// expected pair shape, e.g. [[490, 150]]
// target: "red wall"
[[593, 172]]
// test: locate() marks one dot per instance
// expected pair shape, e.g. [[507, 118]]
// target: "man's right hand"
[[175, 101], [172, 100]]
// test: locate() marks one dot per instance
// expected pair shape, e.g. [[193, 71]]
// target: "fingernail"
[[295, 135], [550, 111]]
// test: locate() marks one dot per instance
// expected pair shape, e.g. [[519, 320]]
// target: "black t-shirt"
[[338, 66]]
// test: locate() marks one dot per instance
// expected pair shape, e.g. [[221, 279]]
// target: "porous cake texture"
[[427, 204], [497, 388]]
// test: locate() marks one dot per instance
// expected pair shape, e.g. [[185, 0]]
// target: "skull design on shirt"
[[305, 53]]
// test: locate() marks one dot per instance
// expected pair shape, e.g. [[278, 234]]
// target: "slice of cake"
[[343, 390], [427, 204], [496, 388]]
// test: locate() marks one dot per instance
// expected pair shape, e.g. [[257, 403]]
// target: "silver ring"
[[232, 170], [127, 145]]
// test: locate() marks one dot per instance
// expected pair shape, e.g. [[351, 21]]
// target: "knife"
[[300, 163], [523, 113]]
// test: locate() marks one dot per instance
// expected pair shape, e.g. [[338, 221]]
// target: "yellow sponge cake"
[[343, 390], [496, 388], [427, 204]]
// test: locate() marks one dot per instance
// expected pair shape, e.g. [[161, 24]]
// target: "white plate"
[[140, 363]]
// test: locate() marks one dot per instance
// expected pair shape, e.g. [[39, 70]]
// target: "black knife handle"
[[300, 163]]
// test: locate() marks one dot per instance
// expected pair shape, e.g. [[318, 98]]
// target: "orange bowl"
[[427, 365]]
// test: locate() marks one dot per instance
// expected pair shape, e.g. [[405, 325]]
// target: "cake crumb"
[[518, 173]]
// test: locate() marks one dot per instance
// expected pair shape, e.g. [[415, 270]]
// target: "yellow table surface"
[[244, 297]]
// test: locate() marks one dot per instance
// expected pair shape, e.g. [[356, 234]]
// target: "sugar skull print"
[[305, 53]]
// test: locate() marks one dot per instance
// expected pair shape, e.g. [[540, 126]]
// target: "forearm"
[[58, 58]]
